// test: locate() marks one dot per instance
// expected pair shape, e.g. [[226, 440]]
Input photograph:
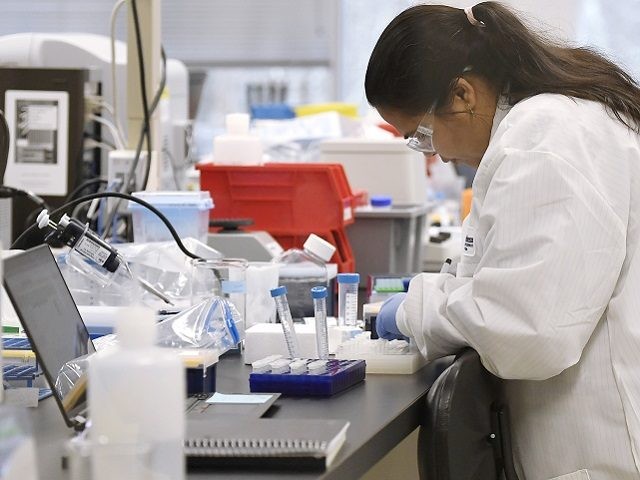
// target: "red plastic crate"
[[288, 200]]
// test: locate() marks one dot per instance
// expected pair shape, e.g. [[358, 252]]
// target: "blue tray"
[[338, 375]]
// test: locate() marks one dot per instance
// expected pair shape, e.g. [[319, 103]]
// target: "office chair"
[[465, 430]]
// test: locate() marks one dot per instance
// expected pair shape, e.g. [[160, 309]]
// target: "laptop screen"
[[53, 324]]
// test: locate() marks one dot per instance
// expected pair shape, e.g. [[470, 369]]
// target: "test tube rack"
[[306, 377]]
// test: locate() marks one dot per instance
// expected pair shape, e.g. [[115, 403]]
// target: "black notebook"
[[264, 443]]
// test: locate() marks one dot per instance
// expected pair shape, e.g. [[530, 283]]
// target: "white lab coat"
[[548, 287]]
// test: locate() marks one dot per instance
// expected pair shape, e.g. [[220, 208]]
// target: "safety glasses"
[[422, 138]]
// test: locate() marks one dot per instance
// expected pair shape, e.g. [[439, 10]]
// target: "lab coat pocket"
[[579, 475]]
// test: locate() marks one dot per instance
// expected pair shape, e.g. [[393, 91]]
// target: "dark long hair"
[[426, 48]]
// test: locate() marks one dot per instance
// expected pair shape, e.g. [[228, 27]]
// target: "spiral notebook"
[[265, 443]]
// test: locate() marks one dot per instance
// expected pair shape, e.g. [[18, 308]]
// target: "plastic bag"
[[71, 384], [213, 323], [162, 265]]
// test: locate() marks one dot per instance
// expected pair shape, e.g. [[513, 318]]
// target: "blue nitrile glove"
[[386, 320]]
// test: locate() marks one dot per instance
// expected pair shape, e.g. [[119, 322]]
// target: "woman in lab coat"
[[547, 290]]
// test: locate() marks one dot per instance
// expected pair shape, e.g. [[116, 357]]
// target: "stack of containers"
[[288, 200]]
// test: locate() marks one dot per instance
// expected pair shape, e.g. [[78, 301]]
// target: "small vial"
[[264, 364], [319, 295], [298, 366], [318, 367], [279, 294], [348, 298], [279, 366]]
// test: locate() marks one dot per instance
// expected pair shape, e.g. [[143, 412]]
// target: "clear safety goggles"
[[422, 138]]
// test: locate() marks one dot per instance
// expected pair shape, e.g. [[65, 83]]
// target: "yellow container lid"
[[346, 109]]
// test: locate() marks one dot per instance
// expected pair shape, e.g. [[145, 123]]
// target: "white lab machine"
[[399, 171], [93, 52]]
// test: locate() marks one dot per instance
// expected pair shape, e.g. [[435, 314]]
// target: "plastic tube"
[[279, 294], [319, 295], [348, 298]]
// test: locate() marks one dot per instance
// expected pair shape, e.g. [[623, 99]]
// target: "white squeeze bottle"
[[237, 146], [137, 405]]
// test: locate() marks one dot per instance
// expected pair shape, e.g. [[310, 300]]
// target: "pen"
[[445, 266]]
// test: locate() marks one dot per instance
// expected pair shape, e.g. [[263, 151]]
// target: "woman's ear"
[[464, 96]]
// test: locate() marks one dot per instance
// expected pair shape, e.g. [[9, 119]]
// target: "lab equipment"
[[308, 377], [319, 295], [136, 369], [300, 270], [382, 356], [79, 237], [388, 239], [279, 294], [45, 112], [237, 146], [233, 242], [348, 298], [188, 212], [294, 200], [438, 244], [400, 171], [386, 320]]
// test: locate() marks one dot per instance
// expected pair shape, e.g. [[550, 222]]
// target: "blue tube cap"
[[348, 278], [381, 201], [276, 292], [319, 292]]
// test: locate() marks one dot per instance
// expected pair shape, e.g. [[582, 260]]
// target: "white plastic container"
[[188, 212], [399, 171], [237, 146], [137, 404]]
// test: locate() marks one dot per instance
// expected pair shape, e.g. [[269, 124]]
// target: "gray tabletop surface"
[[382, 410]]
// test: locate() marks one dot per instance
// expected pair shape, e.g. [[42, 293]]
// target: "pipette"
[[279, 294], [319, 295]]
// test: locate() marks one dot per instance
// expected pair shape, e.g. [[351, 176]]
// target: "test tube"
[[348, 298], [279, 294], [319, 295]]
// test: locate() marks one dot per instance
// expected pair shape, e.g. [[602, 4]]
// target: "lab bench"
[[382, 410]]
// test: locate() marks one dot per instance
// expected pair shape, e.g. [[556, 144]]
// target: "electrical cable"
[[130, 176], [4, 145], [112, 129], [88, 198], [10, 192], [114, 83], [82, 186], [143, 88]]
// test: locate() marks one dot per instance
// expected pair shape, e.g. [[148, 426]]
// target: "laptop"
[[58, 336]]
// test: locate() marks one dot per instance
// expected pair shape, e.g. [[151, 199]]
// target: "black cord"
[[82, 186], [130, 177], [154, 105], [88, 198], [143, 87], [10, 192], [4, 145]]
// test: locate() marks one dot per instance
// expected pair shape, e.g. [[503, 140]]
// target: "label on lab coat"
[[469, 248]]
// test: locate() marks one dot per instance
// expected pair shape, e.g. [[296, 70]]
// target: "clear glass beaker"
[[226, 278]]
